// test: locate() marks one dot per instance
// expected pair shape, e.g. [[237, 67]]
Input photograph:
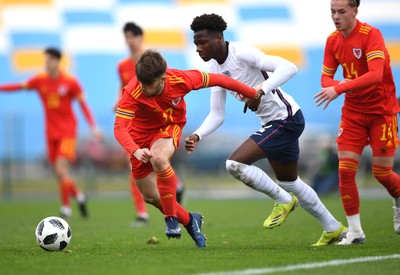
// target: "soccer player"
[[148, 125], [369, 113], [282, 124], [57, 91], [126, 70]]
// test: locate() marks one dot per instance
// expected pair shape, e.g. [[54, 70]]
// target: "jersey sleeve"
[[119, 71], [201, 80], [32, 83], [282, 69], [124, 114], [76, 89], [329, 65], [215, 117]]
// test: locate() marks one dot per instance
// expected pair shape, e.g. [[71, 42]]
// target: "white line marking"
[[305, 266]]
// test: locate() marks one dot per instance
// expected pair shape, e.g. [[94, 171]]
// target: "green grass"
[[105, 244]]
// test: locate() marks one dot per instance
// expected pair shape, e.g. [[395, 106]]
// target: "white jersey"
[[252, 67]]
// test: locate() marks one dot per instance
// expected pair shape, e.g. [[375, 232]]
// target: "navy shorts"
[[279, 139]]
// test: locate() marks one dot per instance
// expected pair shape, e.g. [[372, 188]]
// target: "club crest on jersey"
[[238, 96], [62, 89], [176, 101], [227, 73], [357, 52]]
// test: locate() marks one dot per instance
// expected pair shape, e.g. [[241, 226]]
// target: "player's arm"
[[213, 121], [329, 67], [89, 118], [119, 95], [78, 94], [13, 87], [372, 77], [121, 133], [124, 115], [121, 86], [211, 79], [30, 84], [375, 56], [279, 69]]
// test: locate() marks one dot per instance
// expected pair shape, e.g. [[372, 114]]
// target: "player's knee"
[[153, 200], [347, 171], [158, 161], [234, 168], [382, 174]]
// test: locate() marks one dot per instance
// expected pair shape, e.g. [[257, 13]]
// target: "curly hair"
[[210, 22]]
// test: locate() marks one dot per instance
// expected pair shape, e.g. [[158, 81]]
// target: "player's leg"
[[52, 149], [352, 138], [309, 201], [384, 141], [142, 218], [278, 141], [163, 148], [66, 154], [239, 165], [283, 152], [192, 221], [180, 191]]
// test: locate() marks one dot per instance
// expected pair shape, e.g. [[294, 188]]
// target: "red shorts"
[[62, 147], [140, 169], [358, 130]]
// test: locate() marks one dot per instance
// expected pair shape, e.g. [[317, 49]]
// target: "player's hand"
[[252, 103], [325, 96], [143, 155], [191, 142], [97, 134], [346, 80]]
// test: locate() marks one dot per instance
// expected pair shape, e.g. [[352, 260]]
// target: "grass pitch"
[[106, 244]]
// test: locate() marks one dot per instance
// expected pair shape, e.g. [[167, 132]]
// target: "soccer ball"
[[53, 234]]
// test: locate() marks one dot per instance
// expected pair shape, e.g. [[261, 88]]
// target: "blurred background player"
[[369, 113], [326, 178], [57, 91], [126, 70]]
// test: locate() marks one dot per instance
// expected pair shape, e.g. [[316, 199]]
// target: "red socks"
[[389, 179], [68, 189], [348, 187], [138, 201], [166, 183]]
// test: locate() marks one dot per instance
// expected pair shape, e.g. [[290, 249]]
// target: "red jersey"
[[364, 59], [57, 95], [126, 70], [149, 114]]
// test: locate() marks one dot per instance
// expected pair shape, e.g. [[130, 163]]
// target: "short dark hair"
[[150, 66], [354, 3], [133, 28], [53, 52], [211, 22]]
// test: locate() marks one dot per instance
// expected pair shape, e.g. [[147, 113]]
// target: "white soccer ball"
[[53, 234]]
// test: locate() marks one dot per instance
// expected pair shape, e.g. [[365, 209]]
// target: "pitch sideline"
[[305, 266]]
